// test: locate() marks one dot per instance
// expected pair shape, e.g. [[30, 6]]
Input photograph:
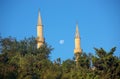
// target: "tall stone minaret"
[[77, 50], [40, 38]]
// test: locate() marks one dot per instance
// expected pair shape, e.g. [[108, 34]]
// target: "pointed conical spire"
[[77, 32], [39, 19]]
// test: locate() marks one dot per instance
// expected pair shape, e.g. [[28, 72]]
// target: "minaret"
[[40, 38], [77, 50]]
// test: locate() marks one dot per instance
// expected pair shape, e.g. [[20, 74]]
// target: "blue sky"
[[98, 21]]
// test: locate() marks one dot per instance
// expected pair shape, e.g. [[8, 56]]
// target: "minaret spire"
[[40, 38], [77, 41], [39, 19], [77, 32], [77, 50]]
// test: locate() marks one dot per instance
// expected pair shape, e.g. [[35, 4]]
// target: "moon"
[[61, 41]]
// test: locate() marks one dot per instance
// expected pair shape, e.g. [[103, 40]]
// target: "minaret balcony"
[[77, 51]]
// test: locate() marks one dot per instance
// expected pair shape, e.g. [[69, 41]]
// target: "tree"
[[106, 64], [21, 59]]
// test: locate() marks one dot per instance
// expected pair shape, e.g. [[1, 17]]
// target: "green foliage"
[[22, 60], [106, 64]]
